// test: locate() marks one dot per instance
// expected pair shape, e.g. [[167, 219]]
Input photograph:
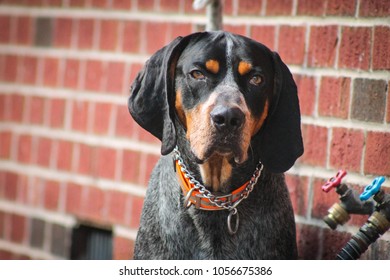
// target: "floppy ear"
[[152, 92], [281, 139]]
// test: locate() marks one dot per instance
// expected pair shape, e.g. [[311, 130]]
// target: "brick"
[[44, 151], [136, 210], [124, 124], [130, 166], [299, 193], [64, 155], [78, 3], [10, 68], [3, 106], [306, 91], [123, 248], [43, 32], [146, 136], [322, 201], [37, 233], [57, 112], [106, 162], [5, 144], [102, 118], [122, 4], [134, 70], [131, 36], [94, 207], [156, 36], [18, 228], [63, 32], [355, 48], [54, 3], [381, 49], [374, 8], [171, 6], [23, 189], [151, 161], [2, 226], [24, 148], [74, 198], [36, 191], [235, 29], [50, 72], [369, 100], [315, 139], [24, 27], [60, 239], [145, 5], [334, 97], [382, 251], [322, 46], [311, 7], [80, 112], [179, 29], [308, 242], [85, 33], [99, 3], [264, 34], [5, 31], [346, 149], [117, 202], [333, 242], [292, 44], [87, 160], [377, 153], [249, 7], [51, 195], [37, 107], [10, 187], [115, 77], [93, 75], [109, 35], [227, 7], [17, 105], [28, 69], [388, 103], [341, 7], [71, 74], [279, 8]]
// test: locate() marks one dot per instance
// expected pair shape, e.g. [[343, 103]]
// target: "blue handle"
[[372, 189]]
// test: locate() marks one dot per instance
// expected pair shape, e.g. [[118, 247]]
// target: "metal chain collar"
[[214, 199]]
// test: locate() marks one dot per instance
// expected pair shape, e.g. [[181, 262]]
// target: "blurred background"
[[73, 164]]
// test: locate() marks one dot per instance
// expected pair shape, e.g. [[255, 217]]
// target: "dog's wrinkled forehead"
[[226, 54]]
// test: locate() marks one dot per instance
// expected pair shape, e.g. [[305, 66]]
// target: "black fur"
[[267, 227]]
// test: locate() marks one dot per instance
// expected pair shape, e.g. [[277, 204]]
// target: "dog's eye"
[[196, 74], [256, 80]]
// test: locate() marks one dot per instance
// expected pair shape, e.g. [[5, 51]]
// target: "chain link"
[[219, 202]]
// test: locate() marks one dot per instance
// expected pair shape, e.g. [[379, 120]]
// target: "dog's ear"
[[280, 138], [152, 92]]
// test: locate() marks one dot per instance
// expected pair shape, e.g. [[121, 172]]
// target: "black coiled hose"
[[359, 243]]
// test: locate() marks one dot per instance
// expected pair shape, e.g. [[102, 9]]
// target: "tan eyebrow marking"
[[212, 65], [244, 67]]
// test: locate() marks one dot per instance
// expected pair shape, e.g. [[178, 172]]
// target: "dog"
[[227, 113]]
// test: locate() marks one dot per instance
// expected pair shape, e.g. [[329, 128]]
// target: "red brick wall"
[[69, 151]]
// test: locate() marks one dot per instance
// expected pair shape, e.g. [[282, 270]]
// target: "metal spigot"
[[377, 224], [350, 203]]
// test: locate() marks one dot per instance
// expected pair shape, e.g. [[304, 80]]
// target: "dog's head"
[[230, 94]]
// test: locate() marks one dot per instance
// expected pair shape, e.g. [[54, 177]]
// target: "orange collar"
[[194, 197]]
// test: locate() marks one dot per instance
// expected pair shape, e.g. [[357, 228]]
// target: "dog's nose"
[[227, 117]]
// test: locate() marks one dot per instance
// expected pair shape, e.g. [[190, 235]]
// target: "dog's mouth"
[[229, 149]]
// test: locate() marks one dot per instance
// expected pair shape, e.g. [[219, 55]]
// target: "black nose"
[[227, 117]]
